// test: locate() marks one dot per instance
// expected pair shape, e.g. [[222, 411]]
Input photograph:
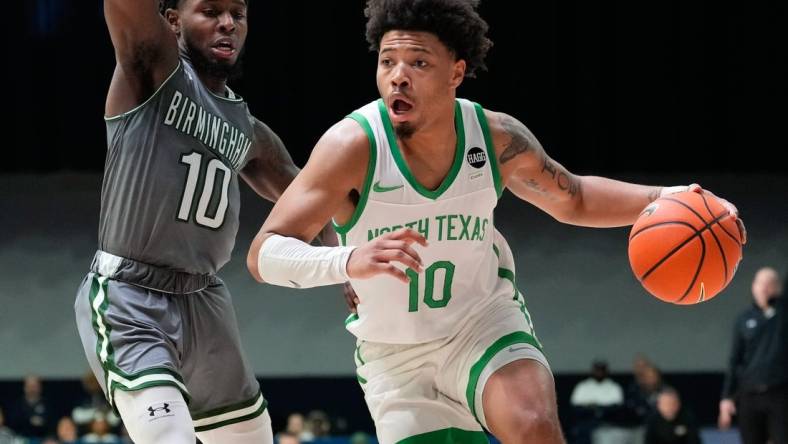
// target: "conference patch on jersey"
[[476, 157]]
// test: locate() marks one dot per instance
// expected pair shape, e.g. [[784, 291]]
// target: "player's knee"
[[536, 425]]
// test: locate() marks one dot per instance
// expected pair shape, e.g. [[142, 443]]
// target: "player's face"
[[417, 78], [215, 29]]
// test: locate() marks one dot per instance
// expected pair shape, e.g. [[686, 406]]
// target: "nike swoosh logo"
[[512, 349], [295, 284], [378, 188]]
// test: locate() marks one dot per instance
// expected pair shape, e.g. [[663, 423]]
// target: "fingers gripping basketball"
[[685, 247]]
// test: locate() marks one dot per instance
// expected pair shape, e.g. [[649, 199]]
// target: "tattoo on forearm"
[[654, 194], [566, 183], [520, 142], [548, 166], [564, 180]]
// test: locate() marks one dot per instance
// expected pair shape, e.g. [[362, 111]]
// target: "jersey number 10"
[[429, 286], [208, 180]]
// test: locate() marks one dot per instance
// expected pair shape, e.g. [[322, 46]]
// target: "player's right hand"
[[377, 256], [727, 410]]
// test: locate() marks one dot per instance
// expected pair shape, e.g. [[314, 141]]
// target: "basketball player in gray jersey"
[[157, 324]]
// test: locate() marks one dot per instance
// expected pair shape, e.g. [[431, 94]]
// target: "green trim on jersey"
[[342, 230], [490, 149], [352, 318], [451, 435], [518, 337], [459, 151], [358, 355], [155, 93]]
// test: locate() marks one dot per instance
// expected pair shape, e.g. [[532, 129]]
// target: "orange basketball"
[[685, 247]]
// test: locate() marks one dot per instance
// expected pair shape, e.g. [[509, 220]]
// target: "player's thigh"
[[399, 384], [221, 382], [131, 335], [500, 335]]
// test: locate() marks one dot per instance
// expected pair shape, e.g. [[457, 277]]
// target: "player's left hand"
[[695, 188], [350, 297]]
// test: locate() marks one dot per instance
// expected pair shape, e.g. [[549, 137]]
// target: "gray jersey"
[[170, 195]]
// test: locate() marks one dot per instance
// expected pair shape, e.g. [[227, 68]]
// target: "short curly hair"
[[455, 22], [164, 5]]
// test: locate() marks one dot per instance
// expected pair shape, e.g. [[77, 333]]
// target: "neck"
[[216, 85], [436, 136]]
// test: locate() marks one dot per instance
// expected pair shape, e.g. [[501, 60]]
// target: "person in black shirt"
[[31, 415], [672, 423], [757, 377]]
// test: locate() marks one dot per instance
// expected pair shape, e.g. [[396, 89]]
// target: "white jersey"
[[460, 265]]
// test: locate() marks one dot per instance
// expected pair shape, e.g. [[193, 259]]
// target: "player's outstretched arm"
[[529, 172], [327, 187], [146, 52]]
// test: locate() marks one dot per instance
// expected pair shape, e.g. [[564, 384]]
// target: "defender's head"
[[211, 32], [425, 49]]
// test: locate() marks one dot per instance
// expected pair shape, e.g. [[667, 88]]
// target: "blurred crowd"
[[32, 419], [648, 411]]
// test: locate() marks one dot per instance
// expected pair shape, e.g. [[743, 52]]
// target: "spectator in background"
[[360, 438], [595, 401], [30, 416], [100, 431], [67, 431], [640, 366], [318, 423], [7, 435], [671, 423], [757, 375], [295, 426], [287, 438], [93, 403], [641, 397]]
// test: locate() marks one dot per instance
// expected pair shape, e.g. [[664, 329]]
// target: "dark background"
[[607, 86], [683, 88]]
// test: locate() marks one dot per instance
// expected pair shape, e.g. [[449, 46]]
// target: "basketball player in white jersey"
[[445, 344]]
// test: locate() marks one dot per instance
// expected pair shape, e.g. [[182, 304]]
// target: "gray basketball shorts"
[[143, 326]]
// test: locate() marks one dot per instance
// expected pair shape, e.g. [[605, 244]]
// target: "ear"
[[173, 19], [457, 73]]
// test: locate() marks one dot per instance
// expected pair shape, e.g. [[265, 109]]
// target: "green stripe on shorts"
[[448, 436], [518, 337], [115, 378], [231, 414]]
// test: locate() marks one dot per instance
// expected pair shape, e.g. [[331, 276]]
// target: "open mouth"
[[225, 49], [399, 106]]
